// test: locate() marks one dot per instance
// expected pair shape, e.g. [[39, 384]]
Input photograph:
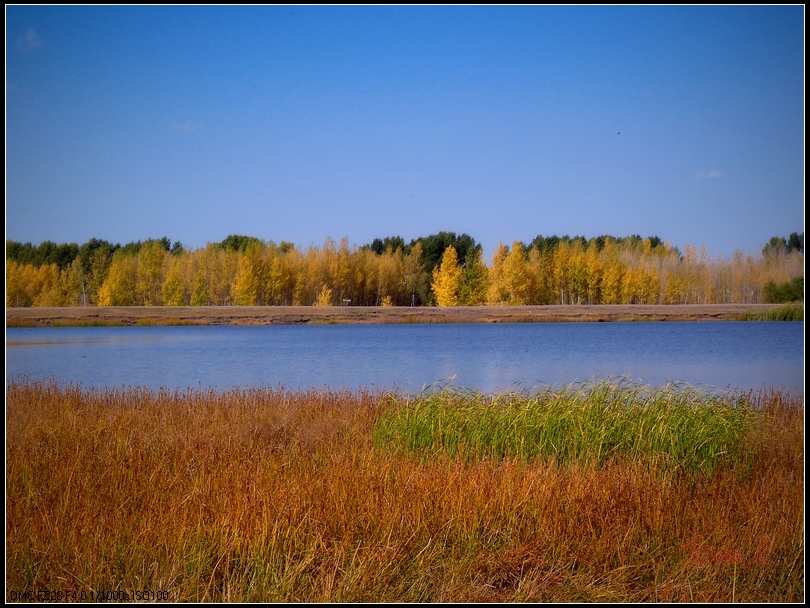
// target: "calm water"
[[490, 357]]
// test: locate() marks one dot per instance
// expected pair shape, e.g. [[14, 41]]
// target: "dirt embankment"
[[296, 315]]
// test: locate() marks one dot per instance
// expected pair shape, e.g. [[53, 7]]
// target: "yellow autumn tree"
[[150, 273], [341, 270], [275, 278], [674, 289], [49, 291], [18, 283], [612, 274], [541, 277], [173, 288], [283, 274], [649, 286], [249, 284], [200, 295], [593, 271], [516, 276], [445, 278], [219, 267], [311, 276], [118, 288], [497, 293], [389, 275], [578, 273], [562, 272], [632, 285]]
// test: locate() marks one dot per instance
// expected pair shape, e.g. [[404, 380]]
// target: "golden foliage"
[[324, 297], [445, 278], [572, 272]]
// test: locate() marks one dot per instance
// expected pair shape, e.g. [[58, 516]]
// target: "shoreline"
[[302, 315]]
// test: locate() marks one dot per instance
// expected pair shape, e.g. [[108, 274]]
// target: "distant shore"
[[300, 315]]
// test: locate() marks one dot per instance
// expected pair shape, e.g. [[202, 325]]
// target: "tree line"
[[442, 269]]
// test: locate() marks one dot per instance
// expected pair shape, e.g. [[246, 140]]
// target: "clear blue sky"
[[301, 123]]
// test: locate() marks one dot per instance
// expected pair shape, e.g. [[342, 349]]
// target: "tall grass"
[[276, 495]]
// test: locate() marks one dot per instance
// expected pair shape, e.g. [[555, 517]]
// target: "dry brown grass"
[[266, 495]]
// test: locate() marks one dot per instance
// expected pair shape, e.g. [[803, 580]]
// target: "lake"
[[711, 356]]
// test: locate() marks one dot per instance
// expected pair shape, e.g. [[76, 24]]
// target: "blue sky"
[[301, 123]]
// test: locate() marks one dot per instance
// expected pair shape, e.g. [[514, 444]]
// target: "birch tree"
[[445, 278]]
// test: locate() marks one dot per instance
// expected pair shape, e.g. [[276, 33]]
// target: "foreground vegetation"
[[601, 493]]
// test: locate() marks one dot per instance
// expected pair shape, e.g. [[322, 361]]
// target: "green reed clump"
[[792, 311], [673, 426]]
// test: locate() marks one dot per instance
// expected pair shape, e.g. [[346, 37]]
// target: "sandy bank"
[[296, 315]]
